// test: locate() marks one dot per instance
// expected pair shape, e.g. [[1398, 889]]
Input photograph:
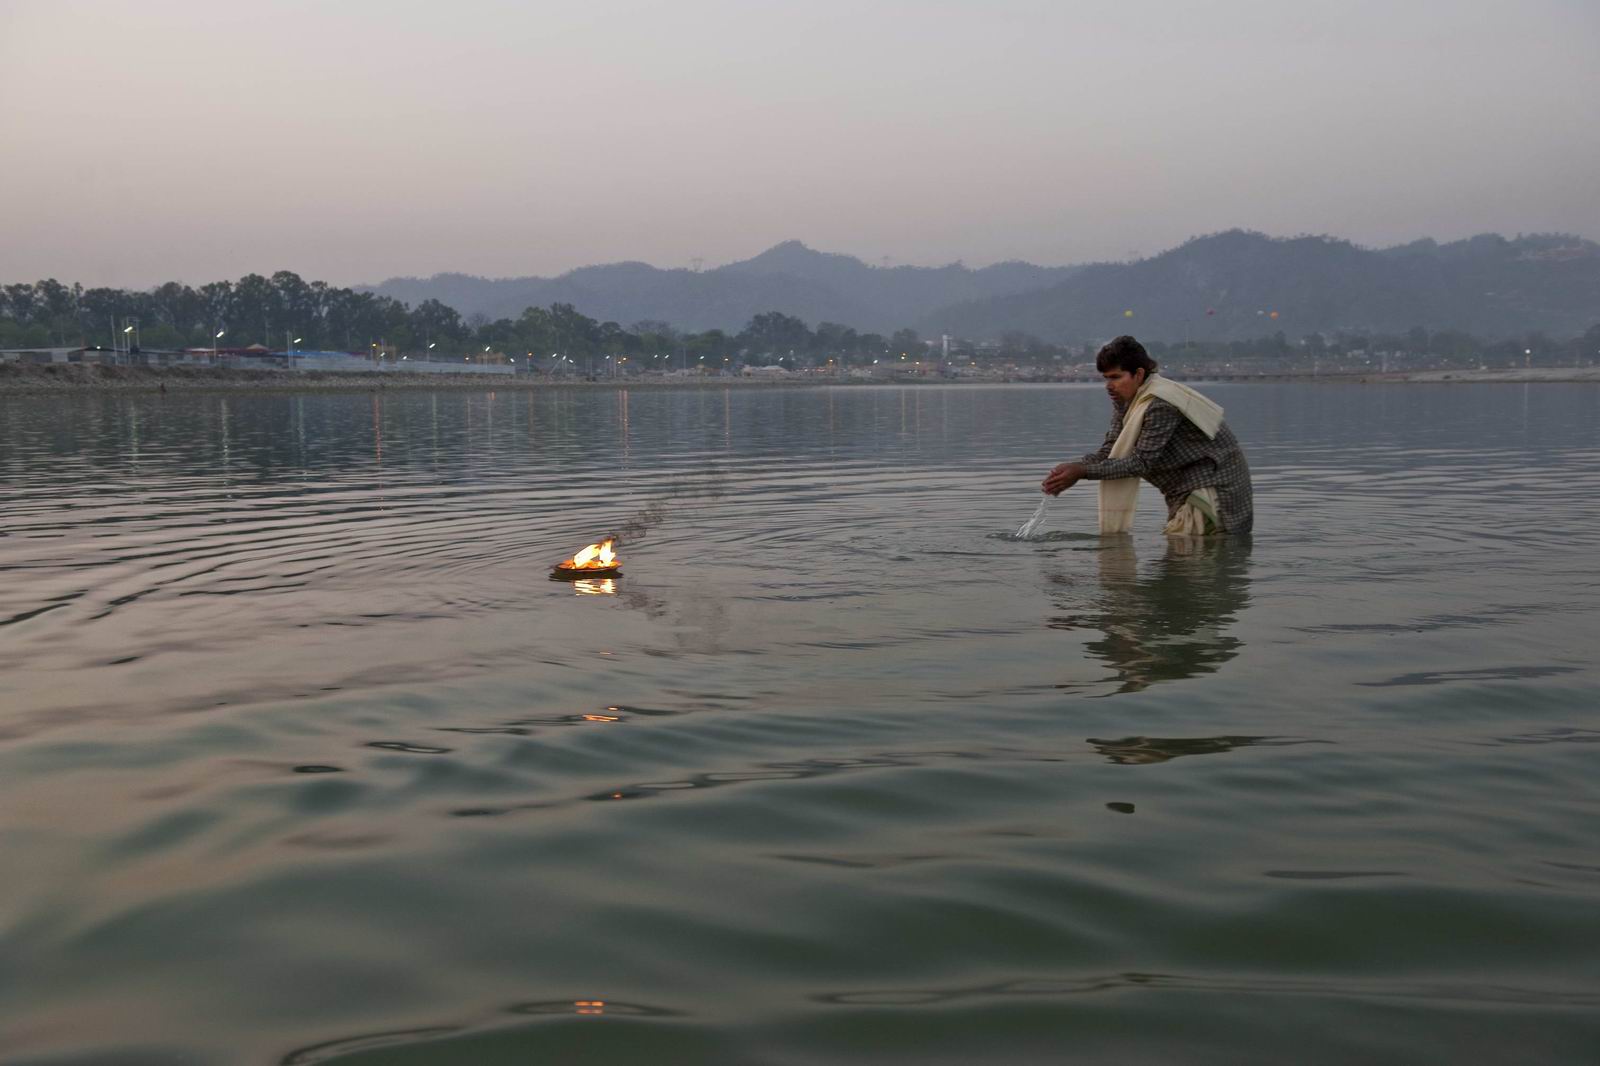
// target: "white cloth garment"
[[1197, 517], [1119, 496]]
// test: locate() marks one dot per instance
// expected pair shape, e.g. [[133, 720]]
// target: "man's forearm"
[[1111, 469]]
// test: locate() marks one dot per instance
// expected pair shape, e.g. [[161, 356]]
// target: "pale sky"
[[201, 139]]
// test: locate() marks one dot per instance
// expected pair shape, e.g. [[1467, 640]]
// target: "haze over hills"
[[789, 277], [1227, 287], [1218, 287]]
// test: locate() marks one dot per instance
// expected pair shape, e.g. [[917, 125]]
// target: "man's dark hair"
[[1124, 353]]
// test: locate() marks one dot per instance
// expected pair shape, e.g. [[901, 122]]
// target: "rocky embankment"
[[68, 377], [1507, 375], [72, 377]]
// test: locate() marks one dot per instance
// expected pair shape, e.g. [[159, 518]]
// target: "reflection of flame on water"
[[593, 561], [593, 1006], [591, 586]]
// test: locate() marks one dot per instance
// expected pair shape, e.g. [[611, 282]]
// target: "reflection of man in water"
[[1169, 435], [1141, 751], [1171, 622]]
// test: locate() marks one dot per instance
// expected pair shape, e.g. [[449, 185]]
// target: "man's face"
[[1122, 385]]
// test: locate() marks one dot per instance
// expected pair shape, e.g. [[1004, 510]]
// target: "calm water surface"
[[303, 758]]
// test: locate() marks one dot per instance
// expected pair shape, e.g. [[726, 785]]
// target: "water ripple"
[[283, 682]]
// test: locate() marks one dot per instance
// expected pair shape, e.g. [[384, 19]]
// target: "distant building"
[[37, 356]]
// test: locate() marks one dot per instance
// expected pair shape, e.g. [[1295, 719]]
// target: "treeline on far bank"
[[284, 310], [1417, 347]]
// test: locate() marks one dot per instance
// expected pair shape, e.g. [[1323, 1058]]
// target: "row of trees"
[[1447, 347], [283, 308], [768, 338], [255, 309]]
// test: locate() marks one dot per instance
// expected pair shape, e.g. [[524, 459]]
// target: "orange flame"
[[594, 557]]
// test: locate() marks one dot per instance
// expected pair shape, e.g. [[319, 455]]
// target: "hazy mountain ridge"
[[1227, 286], [1217, 287], [789, 277]]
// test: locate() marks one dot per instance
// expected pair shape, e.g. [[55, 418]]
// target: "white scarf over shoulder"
[[1120, 496]]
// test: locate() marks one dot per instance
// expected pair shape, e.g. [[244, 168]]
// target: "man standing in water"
[[1169, 435]]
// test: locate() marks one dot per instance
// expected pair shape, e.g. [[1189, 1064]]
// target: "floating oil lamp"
[[597, 560]]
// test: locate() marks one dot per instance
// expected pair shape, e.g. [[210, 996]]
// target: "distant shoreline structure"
[[67, 379]]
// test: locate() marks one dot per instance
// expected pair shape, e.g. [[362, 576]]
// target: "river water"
[[304, 758]]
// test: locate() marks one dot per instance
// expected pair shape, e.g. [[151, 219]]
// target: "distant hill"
[[1226, 286], [1219, 287], [815, 286]]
